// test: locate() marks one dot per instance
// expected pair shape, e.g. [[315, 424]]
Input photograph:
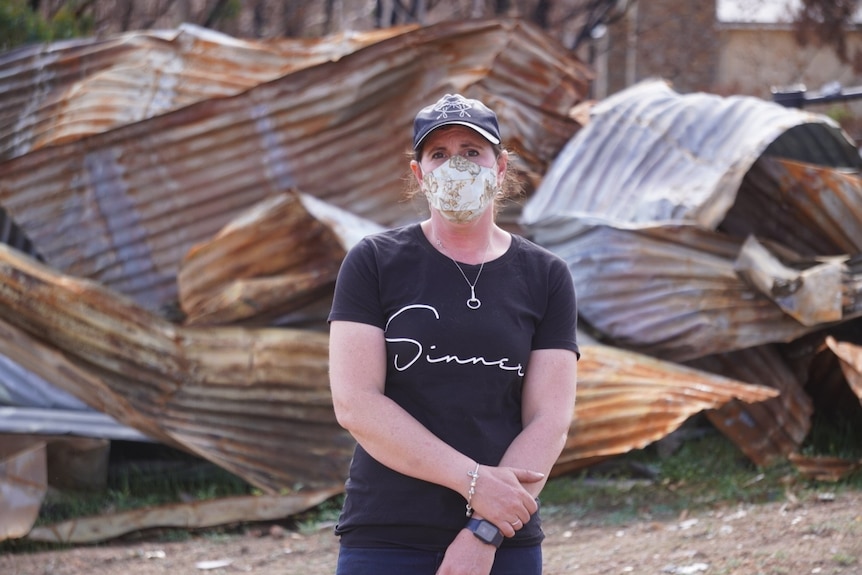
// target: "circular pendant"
[[473, 303]]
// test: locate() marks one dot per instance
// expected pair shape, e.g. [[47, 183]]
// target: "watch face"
[[487, 531]]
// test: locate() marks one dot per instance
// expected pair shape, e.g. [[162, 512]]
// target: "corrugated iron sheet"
[[824, 468], [51, 423], [123, 207], [811, 209], [770, 430], [850, 356], [61, 92], [650, 159], [673, 212], [19, 386], [667, 291], [191, 515], [274, 260], [626, 401], [652, 155], [255, 402]]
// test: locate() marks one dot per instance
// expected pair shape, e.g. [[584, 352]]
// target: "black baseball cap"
[[456, 109]]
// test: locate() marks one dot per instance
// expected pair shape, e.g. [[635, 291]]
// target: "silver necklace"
[[472, 302]]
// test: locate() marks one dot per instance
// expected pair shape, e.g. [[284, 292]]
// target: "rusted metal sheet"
[[651, 155], [653, 159], [673, 292], [705, 229], [255, 402], [61, 92], [271, 261], [123, 207], [668, 291], [626, 401], [81, 422], [768, 431], [811, 209], [812, 293], [824, 468]]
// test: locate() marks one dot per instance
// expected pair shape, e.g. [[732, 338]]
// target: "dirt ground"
[[821, 534]]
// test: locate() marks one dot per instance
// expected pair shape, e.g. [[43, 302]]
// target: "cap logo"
[[453, 104]]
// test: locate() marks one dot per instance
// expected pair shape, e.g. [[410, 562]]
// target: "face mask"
[[460, 189]]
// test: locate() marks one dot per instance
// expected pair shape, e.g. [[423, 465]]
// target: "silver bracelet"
[[474, 477]]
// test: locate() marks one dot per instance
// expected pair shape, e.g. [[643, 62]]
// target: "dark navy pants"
[[369, 561]]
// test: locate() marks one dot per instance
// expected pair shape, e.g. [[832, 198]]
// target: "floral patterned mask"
[[459, 189]]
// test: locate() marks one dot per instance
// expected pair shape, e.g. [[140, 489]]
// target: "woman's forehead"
[[454, 135]]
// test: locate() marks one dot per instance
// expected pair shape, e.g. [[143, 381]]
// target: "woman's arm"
[[548, 404], [547, 411], [357, 366]]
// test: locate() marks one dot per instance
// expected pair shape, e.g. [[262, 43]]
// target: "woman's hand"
[[502, 499], [467, 555]]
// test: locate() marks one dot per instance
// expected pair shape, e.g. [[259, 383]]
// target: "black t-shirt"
[[458, 371]]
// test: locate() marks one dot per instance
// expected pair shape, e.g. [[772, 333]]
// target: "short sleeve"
[[357, 293], [559, 325]]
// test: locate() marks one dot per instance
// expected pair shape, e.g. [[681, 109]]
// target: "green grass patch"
[[163, 476], [704, 473], [172, 478]]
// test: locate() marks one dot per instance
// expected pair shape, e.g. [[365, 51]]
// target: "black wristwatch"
[[485, 531]]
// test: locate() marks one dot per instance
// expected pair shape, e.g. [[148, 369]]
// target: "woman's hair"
[[511, 187]]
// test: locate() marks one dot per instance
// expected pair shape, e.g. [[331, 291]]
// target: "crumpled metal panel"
[[254, 401], [814, 292], [272, 261], [832, 469], [667, 291], [651, 155], [57, 93], [123, 207], [811, 209], [770, 430], [672, 212], [65, 422], [189, 515], [626, 401], [19, 386], [651, 160]]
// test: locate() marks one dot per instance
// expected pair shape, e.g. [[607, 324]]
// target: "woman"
[[453, 363]]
